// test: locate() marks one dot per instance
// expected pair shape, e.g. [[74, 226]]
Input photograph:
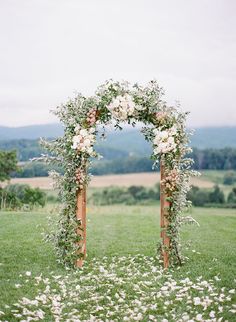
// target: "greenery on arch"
[[115, 103]]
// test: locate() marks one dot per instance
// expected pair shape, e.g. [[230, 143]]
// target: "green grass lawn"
[[120, 231]]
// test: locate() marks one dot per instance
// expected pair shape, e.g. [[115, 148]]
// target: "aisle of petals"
[[133, 288]]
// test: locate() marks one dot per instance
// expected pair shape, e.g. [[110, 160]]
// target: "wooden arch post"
[[81, 215], [164, 218]]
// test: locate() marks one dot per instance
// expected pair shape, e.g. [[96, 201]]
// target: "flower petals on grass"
[[133, 288]]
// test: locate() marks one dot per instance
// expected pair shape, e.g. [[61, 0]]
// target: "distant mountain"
[[129, 140], [203, 138], [214, 137], [31, 132]]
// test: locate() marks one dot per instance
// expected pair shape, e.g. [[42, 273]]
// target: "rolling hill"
[[128, 140]]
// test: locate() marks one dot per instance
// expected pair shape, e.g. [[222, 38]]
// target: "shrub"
[[216, 196], [199, 197], [203, 197], [8, 164], [232, 196], [128, 196], [14, 196], [8, 200], [229, 178]]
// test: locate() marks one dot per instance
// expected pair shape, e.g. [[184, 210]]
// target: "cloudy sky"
[[52, 48]]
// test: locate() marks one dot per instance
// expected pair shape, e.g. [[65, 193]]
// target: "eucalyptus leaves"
[[113, 103]]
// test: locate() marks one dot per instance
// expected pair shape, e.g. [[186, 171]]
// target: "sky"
[[51, 49]]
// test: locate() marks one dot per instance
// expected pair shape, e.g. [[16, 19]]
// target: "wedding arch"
[[164, 126]]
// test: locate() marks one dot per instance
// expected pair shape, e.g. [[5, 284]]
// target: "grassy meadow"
[[121, 238], [122, 278], [147, 179]]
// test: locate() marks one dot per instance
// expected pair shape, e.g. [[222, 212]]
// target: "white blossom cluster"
[[132, 288], [83, 140], [165, 141], [122, 107]]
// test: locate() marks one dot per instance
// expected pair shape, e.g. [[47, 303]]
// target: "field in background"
[[147, 179]]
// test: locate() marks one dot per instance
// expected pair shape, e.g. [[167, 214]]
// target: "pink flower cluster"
[[171, 180], [91, 116], [80, 178], [161, 117]]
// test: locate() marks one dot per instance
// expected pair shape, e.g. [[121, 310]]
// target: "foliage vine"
[[115, 103]]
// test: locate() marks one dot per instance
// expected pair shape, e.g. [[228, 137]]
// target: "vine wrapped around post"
[[164, 218], [81, 230], [115, 103]]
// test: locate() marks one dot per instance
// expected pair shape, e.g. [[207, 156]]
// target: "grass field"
[[113, 286]]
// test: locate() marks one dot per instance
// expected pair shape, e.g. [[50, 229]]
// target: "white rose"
[[87, 142], [156, 131], [116, 102], [83, 132], [77, 128], [123, 104], [173, 130], [91, 137], [122, 98], [163, 146], [170, 140], [74, 146], [132, 104], [123, 115], [156, 140], [131, 111], [164, 135], [76, 139]]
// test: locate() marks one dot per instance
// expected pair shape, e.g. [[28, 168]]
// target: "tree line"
[[133, 195], [134, 164], [211, 159]]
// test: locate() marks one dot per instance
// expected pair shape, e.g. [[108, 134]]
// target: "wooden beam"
[[164, 218], [81, 215]]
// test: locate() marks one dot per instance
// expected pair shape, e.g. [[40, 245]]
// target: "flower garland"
[[164, 126]]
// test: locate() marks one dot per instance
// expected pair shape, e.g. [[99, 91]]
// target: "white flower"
[[92, 130], [90, 150], [17, 285], [173, 130], [83, 141], [196, 301], [28, 273], [212, 314], [171, 140], [83, 132], [163, 135], [199, 317], [87, 142], [164, 141], [77, 128], [122, 107]]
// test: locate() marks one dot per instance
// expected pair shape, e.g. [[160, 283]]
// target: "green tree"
[[8, 164], [232, 196], [22, 194], [199, 197], [216, 196], [229, 178]]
